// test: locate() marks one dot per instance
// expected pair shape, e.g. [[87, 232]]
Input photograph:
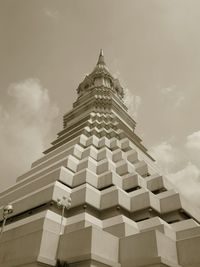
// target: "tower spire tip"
[[101, 60]]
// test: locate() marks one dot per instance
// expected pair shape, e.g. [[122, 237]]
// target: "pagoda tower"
[[96, 197]]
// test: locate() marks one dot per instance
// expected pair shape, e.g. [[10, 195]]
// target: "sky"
[[153, 47]]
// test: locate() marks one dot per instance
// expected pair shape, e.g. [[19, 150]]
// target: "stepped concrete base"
[[34, 241]]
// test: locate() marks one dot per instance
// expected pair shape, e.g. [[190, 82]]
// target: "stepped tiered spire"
[[123, 211], [100, 77], [101, 61], [101, 67]]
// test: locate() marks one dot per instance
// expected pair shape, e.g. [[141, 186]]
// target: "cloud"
[[173, 95], [133, 102], [53, 14], [164, 154], [25, 128], [193, 141], [176, 165], [168, 90], [187, 182]]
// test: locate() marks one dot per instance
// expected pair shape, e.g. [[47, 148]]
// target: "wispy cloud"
[[168, 90], [180, 167], [51, 13], [187, 181], [173, 96], [193, 141], [133, 102], [164, 154], [25, 127]]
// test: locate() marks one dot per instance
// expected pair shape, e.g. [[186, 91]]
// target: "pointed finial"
[[101, 58]]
